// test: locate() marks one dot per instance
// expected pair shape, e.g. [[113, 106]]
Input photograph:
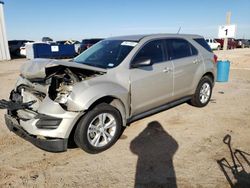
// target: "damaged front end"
[[37, 107]]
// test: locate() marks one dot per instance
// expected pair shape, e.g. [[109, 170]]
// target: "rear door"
[[151, 86], [186, 63]]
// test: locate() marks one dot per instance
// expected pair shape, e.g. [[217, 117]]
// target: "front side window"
[[152, 50], [106, 54], [179, 48]]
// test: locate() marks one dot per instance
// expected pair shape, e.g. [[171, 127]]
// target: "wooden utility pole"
[[228, 21]]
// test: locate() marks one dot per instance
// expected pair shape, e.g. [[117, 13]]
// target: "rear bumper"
[[51, 144]]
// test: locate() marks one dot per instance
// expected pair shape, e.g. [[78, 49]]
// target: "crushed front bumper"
[[10, 105], [48, 127], [51, 144]]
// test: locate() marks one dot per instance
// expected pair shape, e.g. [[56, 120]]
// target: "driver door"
[[151, 85]]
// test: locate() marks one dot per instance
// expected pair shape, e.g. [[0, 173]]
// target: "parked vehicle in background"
[[15, 45], [86, 43], [67, 42], [117, 81], [23, 49], [230, 45], [76, 43], [214, 45], [243, 43], [47, 39]]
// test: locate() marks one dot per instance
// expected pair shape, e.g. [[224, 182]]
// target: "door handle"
[[196, 61], [167, 69]]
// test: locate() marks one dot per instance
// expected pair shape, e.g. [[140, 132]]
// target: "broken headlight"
[[63, 93]]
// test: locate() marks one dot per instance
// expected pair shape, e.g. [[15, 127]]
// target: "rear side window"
[[179, 48], [152, 50], [203, 43]]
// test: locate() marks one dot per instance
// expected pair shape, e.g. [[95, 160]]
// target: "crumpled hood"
[[36, 68]]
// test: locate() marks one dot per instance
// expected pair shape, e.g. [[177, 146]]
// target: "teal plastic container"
[[223, 68]]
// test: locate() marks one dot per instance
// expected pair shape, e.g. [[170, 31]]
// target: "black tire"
[[196, 100], [81, 136]]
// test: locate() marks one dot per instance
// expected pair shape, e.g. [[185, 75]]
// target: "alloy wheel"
[[205, 93], [101, 130]]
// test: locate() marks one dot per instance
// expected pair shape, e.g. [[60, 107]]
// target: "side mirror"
[[142, 63]]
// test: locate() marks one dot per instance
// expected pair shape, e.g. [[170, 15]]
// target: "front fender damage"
[[86, 94], [43, 88]]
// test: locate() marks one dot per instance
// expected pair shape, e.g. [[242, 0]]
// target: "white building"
[[4, 48]]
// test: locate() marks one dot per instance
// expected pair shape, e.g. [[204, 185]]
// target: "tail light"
[[215, 58]]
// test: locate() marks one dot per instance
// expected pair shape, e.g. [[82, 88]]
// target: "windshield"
[[106, 54]]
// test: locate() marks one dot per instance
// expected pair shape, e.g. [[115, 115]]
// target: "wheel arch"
[[196, 83], [211, 75], [113, 101]]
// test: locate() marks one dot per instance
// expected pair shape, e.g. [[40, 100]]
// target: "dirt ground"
[[181, 145]]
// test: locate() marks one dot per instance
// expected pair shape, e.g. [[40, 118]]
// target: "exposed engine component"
[[62, 82], [58, 83]]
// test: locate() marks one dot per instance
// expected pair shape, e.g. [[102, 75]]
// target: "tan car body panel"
[[137, 89]]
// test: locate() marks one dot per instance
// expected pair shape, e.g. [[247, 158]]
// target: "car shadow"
[[155, 149], [237, 174]]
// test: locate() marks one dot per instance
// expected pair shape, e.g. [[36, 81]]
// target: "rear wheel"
[[203, 92], [99, 129]]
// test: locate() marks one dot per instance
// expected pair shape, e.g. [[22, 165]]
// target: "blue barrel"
[[223, 68]]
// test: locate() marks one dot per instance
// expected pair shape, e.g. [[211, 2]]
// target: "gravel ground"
[[179, 147]]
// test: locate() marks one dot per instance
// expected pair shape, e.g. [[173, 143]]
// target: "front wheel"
[[98, 129], [203, 92]]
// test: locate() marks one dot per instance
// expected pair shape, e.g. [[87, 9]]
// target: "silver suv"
[[91, 99]]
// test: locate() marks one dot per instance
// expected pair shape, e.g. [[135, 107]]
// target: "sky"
[[79, 19]]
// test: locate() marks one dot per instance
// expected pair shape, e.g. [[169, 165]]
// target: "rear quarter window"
[[203, 43]]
